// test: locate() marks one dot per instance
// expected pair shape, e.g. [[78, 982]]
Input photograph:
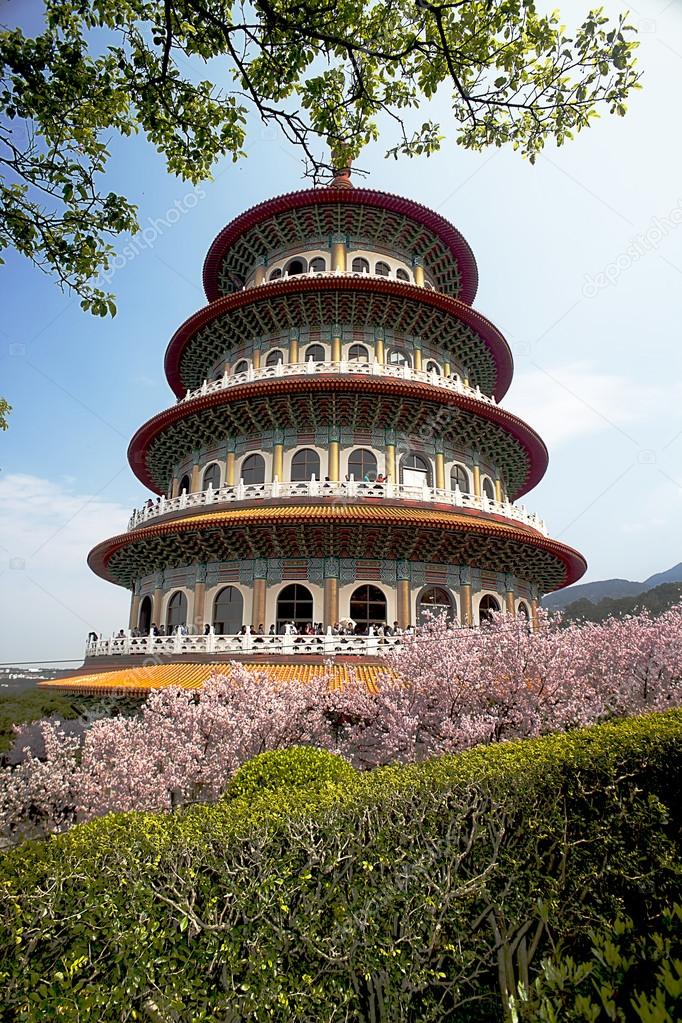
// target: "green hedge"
[[297, 767], [413, 893]]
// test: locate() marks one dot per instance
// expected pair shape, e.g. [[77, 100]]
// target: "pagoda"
[[336, 452]]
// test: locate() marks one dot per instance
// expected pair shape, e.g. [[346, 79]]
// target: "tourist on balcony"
[[207, 629], [161, 631], [154, 631], [271, 631]]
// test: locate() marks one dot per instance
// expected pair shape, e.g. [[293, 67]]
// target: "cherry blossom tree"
[[445, 689]]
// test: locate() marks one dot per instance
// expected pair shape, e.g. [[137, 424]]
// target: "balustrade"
[[351, 490], [161, 646]]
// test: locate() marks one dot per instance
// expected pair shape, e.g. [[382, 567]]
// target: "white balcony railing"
[[227, 646], [353, 368], [343, 492]]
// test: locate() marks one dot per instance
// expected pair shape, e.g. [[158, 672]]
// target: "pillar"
[[339, 252], [534, 605], [199, 606], [194, 482], [277, 462], [465, 377], [510, 603], [331, 602], [293, 346], [403, 594], [447, 371], [134, 611], [477, 480], [379, 354], [258, 608], [229, 468], [175, 484], [418, 270], [333, 466], [256, 358], [260, 275], [337, 336], [498, 488], [440, 470], [157, 599], [465, 604], [417, 355], [390, 464]]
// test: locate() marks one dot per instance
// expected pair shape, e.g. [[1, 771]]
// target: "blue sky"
[[597, 358]]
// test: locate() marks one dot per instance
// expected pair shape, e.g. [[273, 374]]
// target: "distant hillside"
[[615, 588], [656, 601]]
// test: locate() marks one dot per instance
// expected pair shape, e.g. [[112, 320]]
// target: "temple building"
[[336, 451]]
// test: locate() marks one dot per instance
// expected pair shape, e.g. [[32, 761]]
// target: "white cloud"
[[573, 400], [49, 598]]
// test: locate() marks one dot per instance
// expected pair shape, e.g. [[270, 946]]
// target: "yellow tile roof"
[[191, 675]]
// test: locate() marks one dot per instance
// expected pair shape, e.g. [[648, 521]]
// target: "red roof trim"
[[524, 434], [572, 560], [441, 227], [494, 340]]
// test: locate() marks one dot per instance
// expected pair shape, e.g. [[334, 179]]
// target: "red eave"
[[517, 428], [441, 227], [492, 337]]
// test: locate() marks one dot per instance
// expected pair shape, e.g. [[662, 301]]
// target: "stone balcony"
[[340, 492], [452, 383], [254, 646]]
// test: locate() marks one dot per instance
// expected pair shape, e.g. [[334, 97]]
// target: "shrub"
[[297, 767], [418, 893], [32, 705]]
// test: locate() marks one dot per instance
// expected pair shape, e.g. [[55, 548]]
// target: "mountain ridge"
[[600, 588]]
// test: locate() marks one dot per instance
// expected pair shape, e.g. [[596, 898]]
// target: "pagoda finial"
[[341, 177]]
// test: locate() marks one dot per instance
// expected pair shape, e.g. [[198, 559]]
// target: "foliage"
[[5, 409], [22, 708], [421, 893], [297, 767], [445, 690], [628, 976], [324, 74], [655, 601]]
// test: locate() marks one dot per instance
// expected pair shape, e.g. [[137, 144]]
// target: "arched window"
[[295, 266], [274, 357], [144, 619], [253, 469], [488, 488], [487, 606], [211, 476], [294, 604], [177, 611], [383, 269], [358, 353], [415, 471], [304, 465], [277, 272], [228, 611], [522, 610], [184, 484], [402, 275], [360, 265], [362, 465], [433, 367], [241, 367], [317, 265], [459, 477], [367, 607], [436, 601], [396, 357], [314, 352], [429, 287]]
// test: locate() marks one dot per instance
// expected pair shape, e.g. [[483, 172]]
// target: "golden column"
[[199, 606], [446, 368], [339, 252], [174, 487], [259, 277], [417, 356], [379, 354], [336, 344], [498, 487], [229, 468], [403, 594], [157, 598], [134, 611], [293, 346], [258, 608], [509, 598], [331, 602], [278, 458], [333, 466], [465, 601], [256, 358], [194, 485], [534, 606], [418, 270], [440, 470], [477, 479]]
